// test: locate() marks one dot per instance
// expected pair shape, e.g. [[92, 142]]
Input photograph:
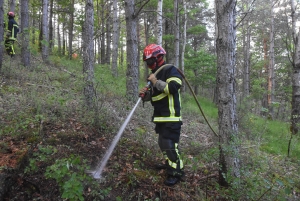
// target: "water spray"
[[101, 165]]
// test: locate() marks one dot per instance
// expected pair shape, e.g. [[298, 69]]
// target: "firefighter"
[[165, 99], [11, 35]]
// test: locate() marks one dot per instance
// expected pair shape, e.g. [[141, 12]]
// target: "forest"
[[70, 80]]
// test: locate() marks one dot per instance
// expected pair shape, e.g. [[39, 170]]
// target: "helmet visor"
[[150, 61]]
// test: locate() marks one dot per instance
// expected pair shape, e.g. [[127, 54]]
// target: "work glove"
[[152, 78], [144, 93], [158, 84]]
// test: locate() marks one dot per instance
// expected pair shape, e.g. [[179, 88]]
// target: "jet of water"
[[99, 169]]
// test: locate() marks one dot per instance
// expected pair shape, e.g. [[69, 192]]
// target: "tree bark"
[[108, 34], [295, 114], [132, 72], [51, 39], [271, 80], [1, 32], [102, 36], [159, 30], [228, 127], [176, 33], [25, 50], [115, 39], [183, 42], [12, 5], [45, 49], [88, 53], [71, 25]]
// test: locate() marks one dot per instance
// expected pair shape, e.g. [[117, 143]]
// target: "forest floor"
[[49, 143], [141, 181], [35, 147]]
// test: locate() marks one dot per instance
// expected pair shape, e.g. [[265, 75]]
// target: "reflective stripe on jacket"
[[167, 103], [13, 29]]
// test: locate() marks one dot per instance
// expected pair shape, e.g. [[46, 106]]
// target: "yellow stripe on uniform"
[[159, 97], [174, 164], [167, 119]]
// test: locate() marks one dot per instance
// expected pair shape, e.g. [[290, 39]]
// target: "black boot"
[[160, 166], [171, 180]]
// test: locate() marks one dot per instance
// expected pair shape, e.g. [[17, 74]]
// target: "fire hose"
[[97, 172]]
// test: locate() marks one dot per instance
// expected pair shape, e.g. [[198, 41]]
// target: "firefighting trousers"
[[9, 47], [168, 139]]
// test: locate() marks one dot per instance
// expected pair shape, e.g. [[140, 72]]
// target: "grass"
[[273, 136], [209, 108], [54, 96]]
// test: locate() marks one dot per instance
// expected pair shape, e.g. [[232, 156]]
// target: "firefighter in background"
[[165, 98], [11, 35]]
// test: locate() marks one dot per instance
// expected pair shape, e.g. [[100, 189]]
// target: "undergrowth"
[[43, 105]]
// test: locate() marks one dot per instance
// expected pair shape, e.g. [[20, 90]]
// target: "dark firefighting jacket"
[[167, 103], [12, 28]]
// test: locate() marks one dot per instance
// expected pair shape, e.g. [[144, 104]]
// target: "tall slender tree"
[[12, 5], [159, 22], [1, 32], [132, 72], [25, 50], [183, 43], [176, 33], [108, 33], [71, 28], [45, 32], [115, 39], [228, 126], [88, 53], [295, 113], [271, 73], [51, 44]]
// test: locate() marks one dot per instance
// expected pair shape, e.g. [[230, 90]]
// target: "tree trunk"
[[1, 32], [176, 34], [132, 50], [12, 5], [88, 53], [115, 39], [147, 36], [265, 76], [102, 36], [71, 25], [51, 39], [64, 40], [271, 80], [183, 43], [295, 114], [228, 127], [159, 22], [108, 34], [58, 39], [25, 50], [45, 49], [246, 47]]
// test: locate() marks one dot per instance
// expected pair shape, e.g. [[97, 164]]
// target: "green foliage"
[[168, 38], [195, 30], [270, 135], [70, 175], [41, 155], [201, 68], [263, 178]]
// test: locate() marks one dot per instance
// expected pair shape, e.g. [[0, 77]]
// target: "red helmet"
[[152, 51], [12, 14]]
